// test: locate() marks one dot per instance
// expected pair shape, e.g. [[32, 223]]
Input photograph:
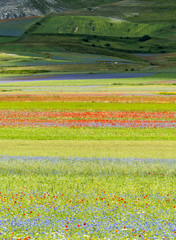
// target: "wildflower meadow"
[[87, 165]]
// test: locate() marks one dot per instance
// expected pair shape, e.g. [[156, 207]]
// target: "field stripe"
[[89, 148], [88, 106]]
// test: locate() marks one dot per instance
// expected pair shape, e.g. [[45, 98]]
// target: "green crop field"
[[93, 106], [82, 133]]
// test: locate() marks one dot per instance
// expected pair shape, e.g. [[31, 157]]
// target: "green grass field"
[[81, 133], [88, 106]]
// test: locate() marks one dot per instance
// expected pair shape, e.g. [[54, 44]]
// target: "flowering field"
[[87, 116], [87, 198], [88, 97], [87, 165], [88, 119]]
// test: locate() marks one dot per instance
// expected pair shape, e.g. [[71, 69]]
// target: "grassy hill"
[[126, 29], [101, 26]]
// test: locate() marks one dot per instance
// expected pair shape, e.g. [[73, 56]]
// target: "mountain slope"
[[24, 8], [142, 11]]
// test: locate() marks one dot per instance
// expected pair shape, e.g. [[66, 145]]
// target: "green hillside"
[[127, 29], [101, 26], [142, 11]]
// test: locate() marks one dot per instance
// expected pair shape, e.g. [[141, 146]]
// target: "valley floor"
[[88, 161]]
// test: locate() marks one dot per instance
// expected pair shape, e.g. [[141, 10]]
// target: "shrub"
[[144, 38], [107, 45]]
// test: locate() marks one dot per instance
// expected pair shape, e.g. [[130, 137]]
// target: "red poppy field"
[[87, 119]]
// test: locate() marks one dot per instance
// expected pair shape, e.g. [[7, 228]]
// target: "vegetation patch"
[[100, 26]]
